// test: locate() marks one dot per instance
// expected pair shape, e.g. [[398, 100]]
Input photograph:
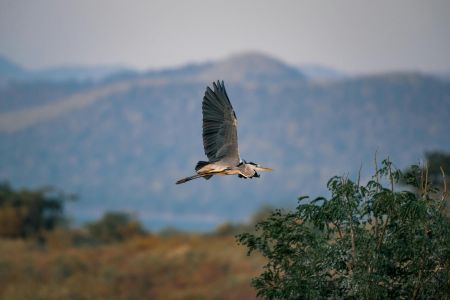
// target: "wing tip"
[[219, 84]]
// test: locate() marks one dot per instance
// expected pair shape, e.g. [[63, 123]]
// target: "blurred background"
[[102, 101]]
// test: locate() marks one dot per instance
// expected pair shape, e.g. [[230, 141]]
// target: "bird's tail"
[[186, 179], [193, 177], [201, 164]]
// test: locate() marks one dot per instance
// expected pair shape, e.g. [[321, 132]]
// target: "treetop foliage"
[[25, 213], [366, 241]]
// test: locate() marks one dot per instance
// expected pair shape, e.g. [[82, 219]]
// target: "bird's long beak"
[[263, 169]]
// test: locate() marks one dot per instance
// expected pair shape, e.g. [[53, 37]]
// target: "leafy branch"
[[365, 241]]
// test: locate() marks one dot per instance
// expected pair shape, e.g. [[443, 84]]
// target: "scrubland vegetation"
[[41, 257], [146, 267], [388, 237]]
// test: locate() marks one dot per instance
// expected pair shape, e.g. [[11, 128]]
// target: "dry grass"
[[151, 267]]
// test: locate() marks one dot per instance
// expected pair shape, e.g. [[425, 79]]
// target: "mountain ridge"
[[253, 63], [125, 141], [12, 71]]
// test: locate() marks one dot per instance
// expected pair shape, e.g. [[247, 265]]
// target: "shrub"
[[25, 213], [366, 241], [115, 227]]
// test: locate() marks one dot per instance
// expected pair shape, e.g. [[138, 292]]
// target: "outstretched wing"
[[219, 126]]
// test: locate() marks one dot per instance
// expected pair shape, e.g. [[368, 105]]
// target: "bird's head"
[[257, 167]]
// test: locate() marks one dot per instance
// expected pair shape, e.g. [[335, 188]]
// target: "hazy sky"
[[361, 36]]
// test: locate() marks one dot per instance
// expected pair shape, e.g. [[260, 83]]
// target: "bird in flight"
[[220, 139]]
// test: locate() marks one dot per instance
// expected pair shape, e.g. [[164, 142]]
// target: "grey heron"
[[220, 140]]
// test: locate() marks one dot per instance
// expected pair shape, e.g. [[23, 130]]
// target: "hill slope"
[[13, 72], [121, 144]]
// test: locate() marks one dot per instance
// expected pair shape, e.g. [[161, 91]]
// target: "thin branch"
[[339, 229], [352, 232], [444, 193], [352, 235], [391, 179], [376, 169], [378, 190], [417, 285], [388, 216], [359, 174], [383, 232], [421, 181]]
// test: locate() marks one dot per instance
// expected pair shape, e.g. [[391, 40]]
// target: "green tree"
[[115, 227], [437, 161], [364, 242], [433, 172], [25, 213]]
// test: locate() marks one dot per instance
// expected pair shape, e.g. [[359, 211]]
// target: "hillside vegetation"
[[149, 267], [387, 237], [114, 257]]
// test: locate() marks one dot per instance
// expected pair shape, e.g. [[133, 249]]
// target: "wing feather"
[[219, 126]]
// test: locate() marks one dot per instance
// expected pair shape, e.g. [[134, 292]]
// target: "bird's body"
[[220, 139]]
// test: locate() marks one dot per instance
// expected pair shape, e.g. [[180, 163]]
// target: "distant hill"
[[250, 67], [123, 142], [318, 72], [9, 68], [10, 71], [443, 75], [80, 73]]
